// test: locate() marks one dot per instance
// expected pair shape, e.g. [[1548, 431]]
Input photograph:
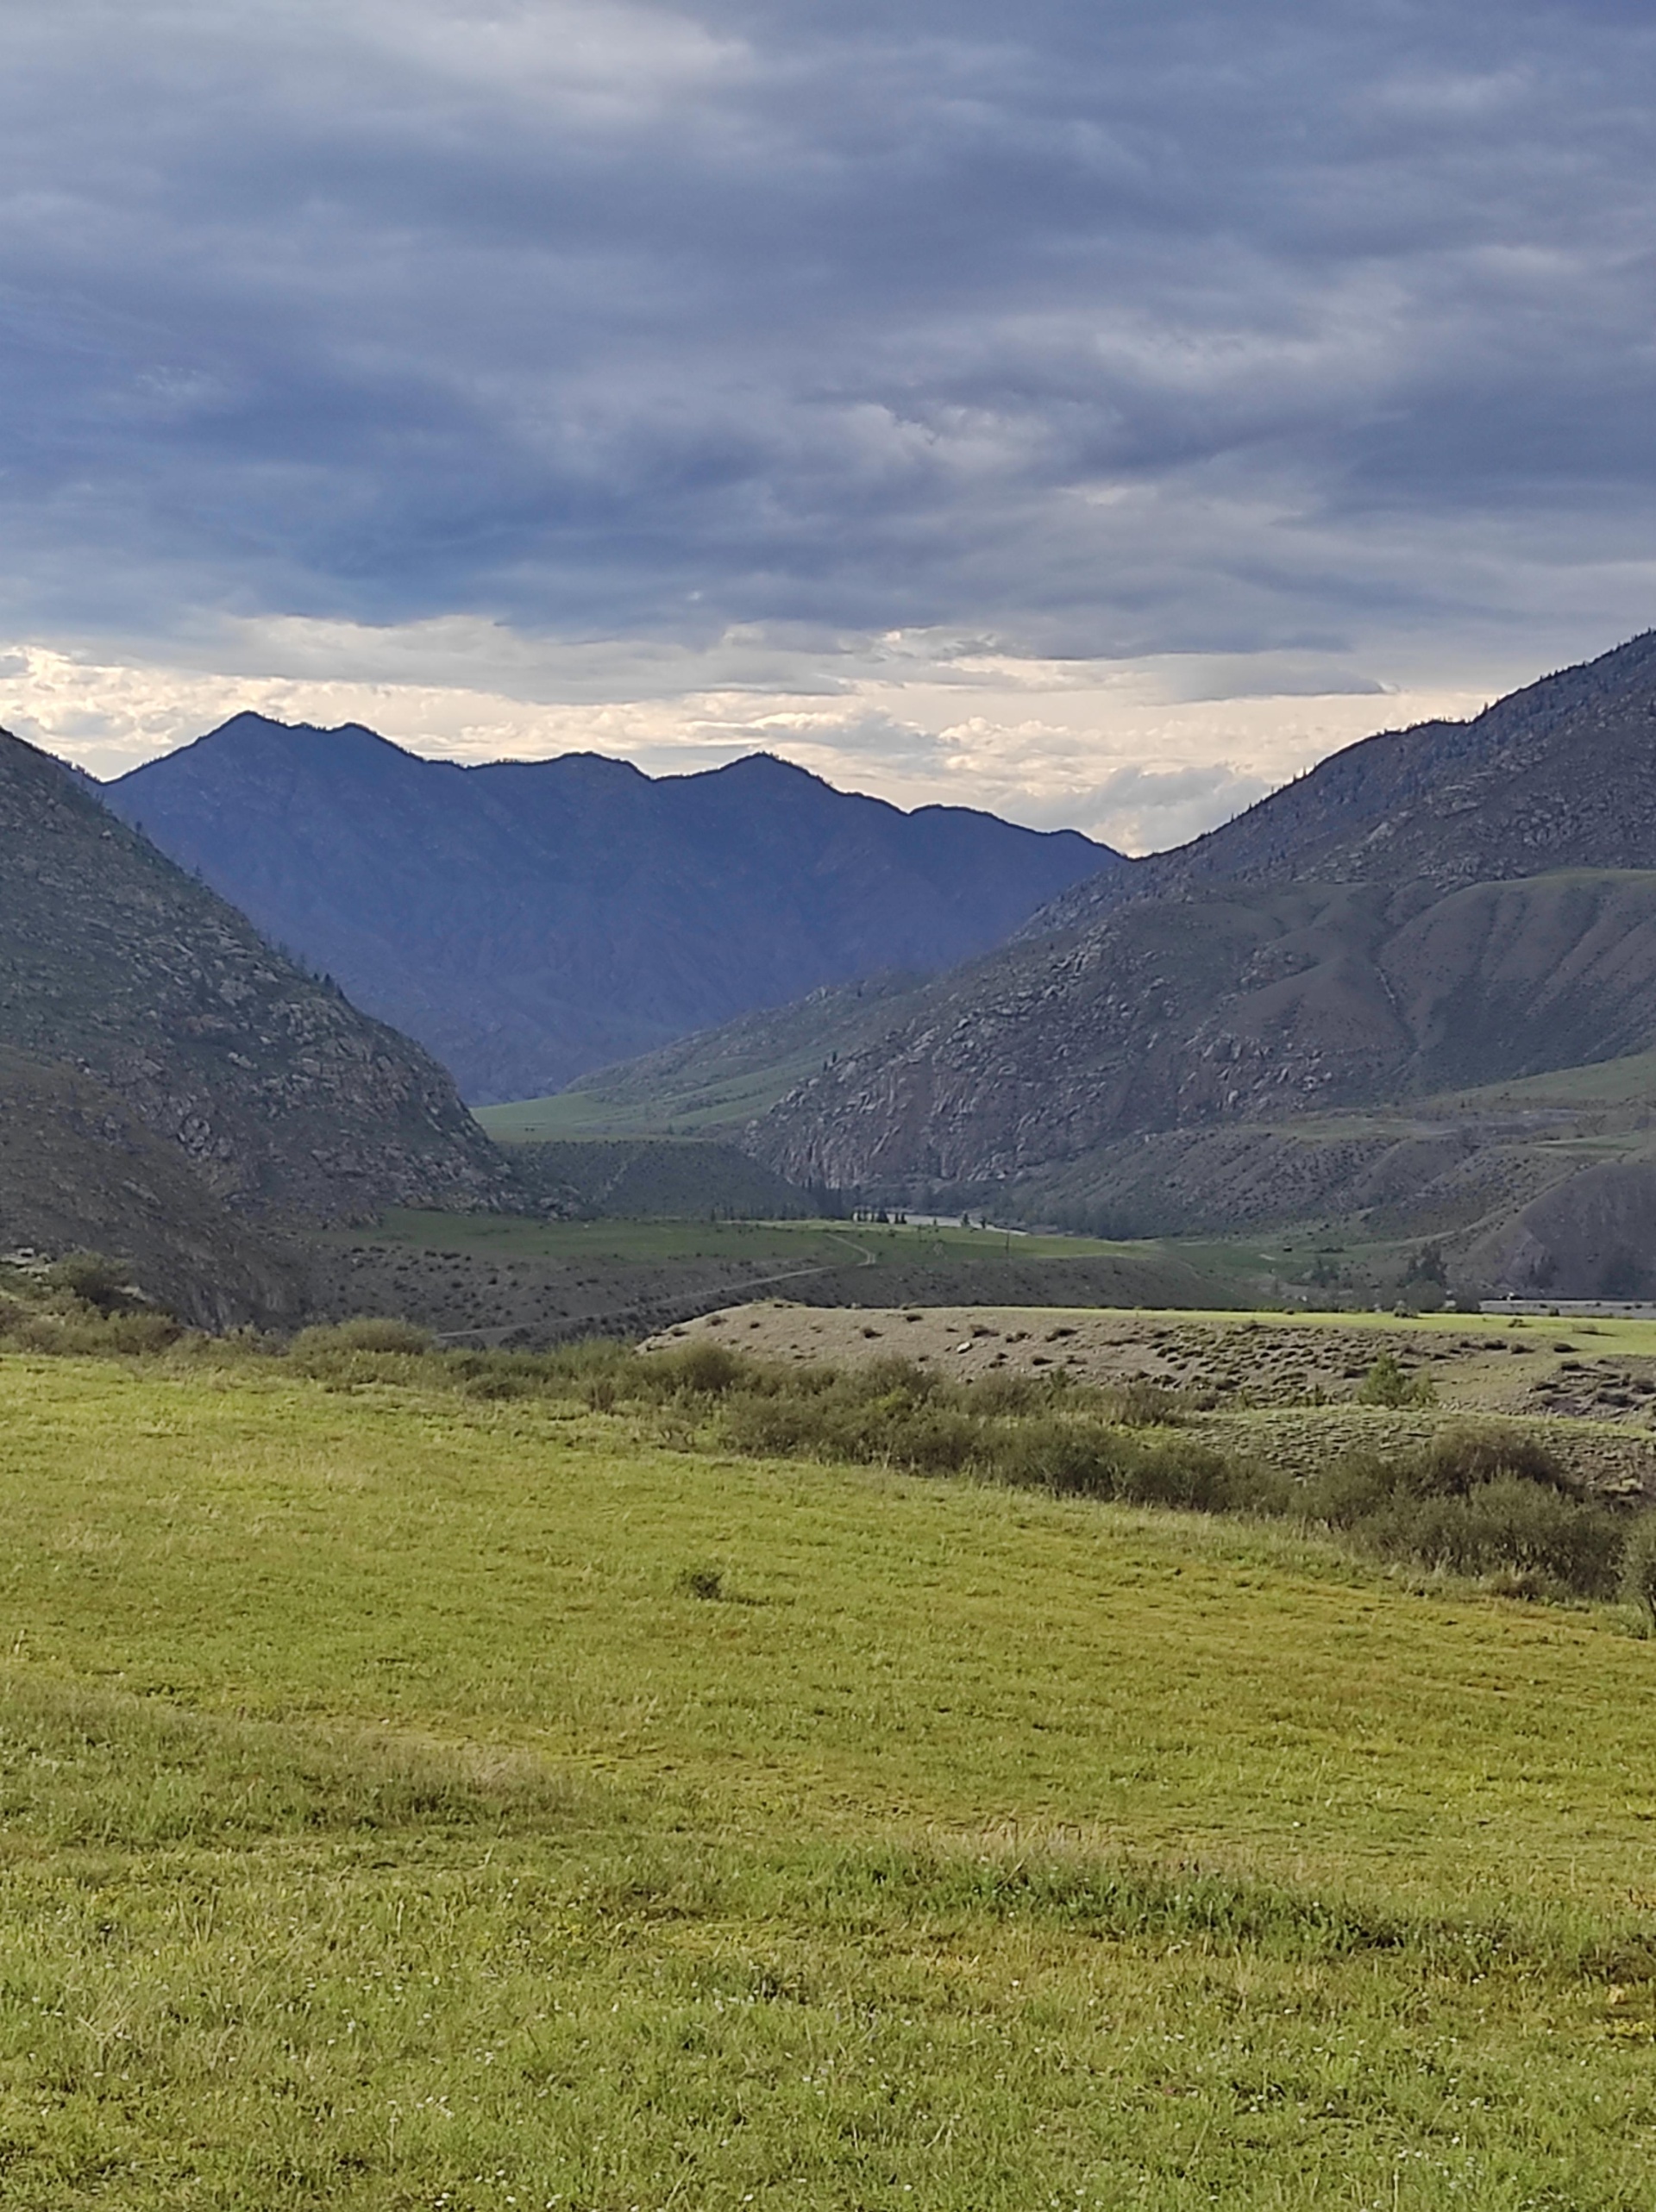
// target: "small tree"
[[1386, 1384]]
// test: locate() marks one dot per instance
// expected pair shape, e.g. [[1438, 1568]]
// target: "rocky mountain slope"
[[78, 1170], [1561, 774], [280, 1096], [1179, 1013], [528, 920], [1456, 905]]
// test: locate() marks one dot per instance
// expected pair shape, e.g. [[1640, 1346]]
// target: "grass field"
[[388, 1823], [818, 1243], [727, 1105], [828, 1243]]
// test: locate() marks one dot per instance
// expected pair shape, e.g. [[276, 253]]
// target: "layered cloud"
[[840, 365]]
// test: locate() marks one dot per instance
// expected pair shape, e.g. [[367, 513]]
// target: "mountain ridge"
[[1247, 1006], [530, 920], [1444, 803], [1232, 1033]]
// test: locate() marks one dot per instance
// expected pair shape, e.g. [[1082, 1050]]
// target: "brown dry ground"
[[1286, 1388]]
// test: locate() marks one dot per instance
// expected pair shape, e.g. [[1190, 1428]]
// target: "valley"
[[526, 920], [937, 1590], [827, 1109], [530, 1283]]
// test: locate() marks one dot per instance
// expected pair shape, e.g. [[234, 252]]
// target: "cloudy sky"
[[1091, 410]]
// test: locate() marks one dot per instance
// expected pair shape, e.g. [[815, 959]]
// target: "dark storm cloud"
[[1105, 329]]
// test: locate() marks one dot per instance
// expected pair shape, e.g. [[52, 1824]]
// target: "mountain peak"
[[529, 920]]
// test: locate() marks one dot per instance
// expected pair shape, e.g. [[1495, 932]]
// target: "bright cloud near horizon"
[[1092, 412]]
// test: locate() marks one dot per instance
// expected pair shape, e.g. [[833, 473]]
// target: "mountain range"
[[529, 920], [1284, 1019], [1416, 988], [1561, 774]]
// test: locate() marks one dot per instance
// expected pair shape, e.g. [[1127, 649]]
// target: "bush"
[[1462, 1457], [1074, 1459], [1512, 1527], [1007, 1391], [1095, 1460], [369, 1349], [1387, 1384], [88, 1334], [95, 1279], [1475, 1503], [704, 1370], [1638, 1575], [1452, 1465], [1144, 1405], [369, 1332]]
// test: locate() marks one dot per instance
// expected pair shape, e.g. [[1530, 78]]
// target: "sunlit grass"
[[387, 1822]]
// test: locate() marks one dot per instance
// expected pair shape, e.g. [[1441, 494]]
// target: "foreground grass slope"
[[389, 1824]]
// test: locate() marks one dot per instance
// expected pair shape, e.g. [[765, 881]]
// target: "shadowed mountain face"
[[530, 920], [77, 1169], [279, 1094]]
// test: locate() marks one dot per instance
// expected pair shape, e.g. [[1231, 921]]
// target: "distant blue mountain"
[[529, 920]]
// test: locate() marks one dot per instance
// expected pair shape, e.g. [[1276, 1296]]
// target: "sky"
[[1094, 412]]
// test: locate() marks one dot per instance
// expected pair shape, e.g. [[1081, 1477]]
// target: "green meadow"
[[416, 1801], [837, 1244]]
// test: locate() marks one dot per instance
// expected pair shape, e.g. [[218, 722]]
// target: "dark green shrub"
[[703, 1369], [772, 1426], [1523, 1527], [1459, 1461], [881, 1378], [1093, 1459], [95, 1279], [1073, 1458], [1386, 1383], [1462, 1457], [1510, 1527], [1006, 1392], [1144, 1404], [1638, 1565], [835, 1418], [1357, 1487]]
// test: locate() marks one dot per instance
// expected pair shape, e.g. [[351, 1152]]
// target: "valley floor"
[[497, 1279], [419, 1802]]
